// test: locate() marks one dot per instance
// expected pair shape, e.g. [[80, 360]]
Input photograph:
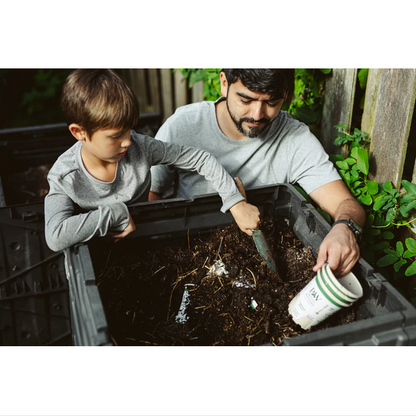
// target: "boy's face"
[[108, 145]]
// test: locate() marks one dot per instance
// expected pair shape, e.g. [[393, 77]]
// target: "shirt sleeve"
[[163, 176], [63, 229], [191, 158], [310, 166]]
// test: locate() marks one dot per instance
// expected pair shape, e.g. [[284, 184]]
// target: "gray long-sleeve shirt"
[[106, 202]]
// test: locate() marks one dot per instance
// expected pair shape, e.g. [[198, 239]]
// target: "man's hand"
[[154, 196], [339, 249], [246, 216], [129, 229]]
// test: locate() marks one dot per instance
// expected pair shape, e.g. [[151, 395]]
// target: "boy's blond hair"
[[99, 99]]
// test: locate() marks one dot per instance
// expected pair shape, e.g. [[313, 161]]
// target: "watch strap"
[[351, 225]]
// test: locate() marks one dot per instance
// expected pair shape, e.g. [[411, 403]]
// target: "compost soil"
[[142, 290]]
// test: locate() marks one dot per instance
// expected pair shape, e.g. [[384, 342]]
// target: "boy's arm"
[[63, 229], [246, 215]]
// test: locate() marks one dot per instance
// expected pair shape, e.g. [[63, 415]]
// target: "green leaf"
[[387, 260], [408, 254], [387, 235], [378, 203], [326, 71], [341, 126], [409, 187], [372, 187], [411, 244], [350, 160], [399, 248], [370, 219], [362, 77], [387, 186], [410, 206], [405, 199], [392, 252], [306, 115], [362, 160], [391, 214], [342, 165], [380, 246], [399, 264], [374, 232], [411, 270], [365, 199]]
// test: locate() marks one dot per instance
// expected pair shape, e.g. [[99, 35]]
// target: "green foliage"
[[387, 208], [362, 79], [308, 92], [32, 96], [210, 78]]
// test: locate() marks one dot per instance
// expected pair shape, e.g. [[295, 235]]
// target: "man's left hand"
[[339, 249]]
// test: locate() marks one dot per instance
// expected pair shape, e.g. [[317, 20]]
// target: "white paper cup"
[[347, 284], [318, 300]]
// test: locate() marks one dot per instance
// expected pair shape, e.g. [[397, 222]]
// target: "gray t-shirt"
[[285, 152], [71, 185]]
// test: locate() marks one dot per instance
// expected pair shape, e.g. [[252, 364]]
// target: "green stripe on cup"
[[328, 286], [323, 292], [352, 299]]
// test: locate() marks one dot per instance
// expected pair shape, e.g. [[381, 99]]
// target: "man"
[[253, 139]]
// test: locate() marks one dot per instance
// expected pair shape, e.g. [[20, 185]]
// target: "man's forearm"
[[350, 208]]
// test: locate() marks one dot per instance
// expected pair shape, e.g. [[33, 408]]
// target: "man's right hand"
[[246, 216], [154, 196]]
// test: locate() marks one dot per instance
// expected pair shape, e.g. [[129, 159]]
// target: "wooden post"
[[388, 111], [181, 89], [198, 92], [154, 88], [167, 92], [338, 105]]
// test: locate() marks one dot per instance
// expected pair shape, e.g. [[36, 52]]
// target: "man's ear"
[[78, 132], [223, 84]]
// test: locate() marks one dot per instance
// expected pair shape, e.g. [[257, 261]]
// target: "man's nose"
[[257, 110]]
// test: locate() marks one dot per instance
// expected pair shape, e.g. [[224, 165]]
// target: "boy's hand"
[[154, 196], [246, 216], [129, 229]]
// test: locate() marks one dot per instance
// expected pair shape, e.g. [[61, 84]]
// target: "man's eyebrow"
[[242, 95]]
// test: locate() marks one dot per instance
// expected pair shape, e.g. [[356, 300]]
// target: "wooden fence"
[[161, 90], [388, 118]]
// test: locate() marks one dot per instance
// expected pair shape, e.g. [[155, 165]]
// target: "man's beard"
[[253, 131]]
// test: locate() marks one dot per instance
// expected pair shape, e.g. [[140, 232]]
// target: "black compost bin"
[[34, 297], [383, 315], [27, 153]]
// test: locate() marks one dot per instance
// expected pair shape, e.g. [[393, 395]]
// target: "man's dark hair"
[[274, 82]]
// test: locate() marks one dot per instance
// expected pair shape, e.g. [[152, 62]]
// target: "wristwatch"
[[353, 226]]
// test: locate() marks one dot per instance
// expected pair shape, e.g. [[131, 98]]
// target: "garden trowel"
[[259, 239]]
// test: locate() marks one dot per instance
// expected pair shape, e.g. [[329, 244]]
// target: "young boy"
[[109, 166]]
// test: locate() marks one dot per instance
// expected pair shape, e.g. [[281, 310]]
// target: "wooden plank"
[[181, 89], [154, 88], [387, 118], [198, 92], [338, 105], [166, 92], [139, 76]]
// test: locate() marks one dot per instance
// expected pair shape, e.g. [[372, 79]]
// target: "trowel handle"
[[240, 187]]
